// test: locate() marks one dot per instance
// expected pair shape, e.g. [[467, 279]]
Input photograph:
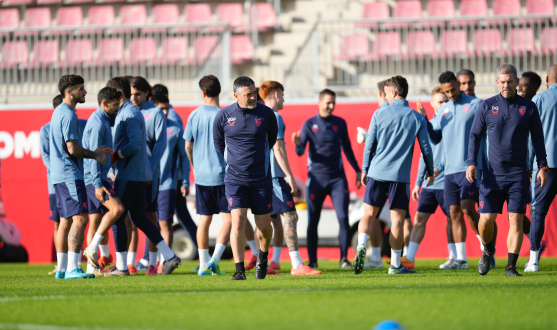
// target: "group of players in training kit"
[[128, 167]]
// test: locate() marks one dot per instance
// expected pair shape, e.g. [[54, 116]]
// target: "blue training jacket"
[[393, 131], [174, 155], [245, 138], [438, 163], [45, 153], [155, 134], [64, 126], [129, 142], [97, 133], [547, 107], [326, 138], [507, 124]]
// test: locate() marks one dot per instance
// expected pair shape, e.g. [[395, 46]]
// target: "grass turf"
[[338, 299]]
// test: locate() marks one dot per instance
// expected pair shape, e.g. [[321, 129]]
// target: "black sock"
[[240, 267], [490, 247], [513, 257], [526, 225], [262, 255]]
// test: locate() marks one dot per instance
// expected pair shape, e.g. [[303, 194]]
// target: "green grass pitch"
[[338, 299]]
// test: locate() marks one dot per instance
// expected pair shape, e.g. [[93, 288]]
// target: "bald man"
[[542, 197]]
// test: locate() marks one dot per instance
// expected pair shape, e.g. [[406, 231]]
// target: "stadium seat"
[[420, 44], [174, 51], [17, 2], [454, 44], [266, 17], [142, 50], [35, 17], [471, 8], [100, 16], [204, 47], [233, 14], [45, 53], [197, 13], [505, 8], [78, 53], [386, 45], [487, 42], [14, 53], [374, 10], [70, 17], [354, 47], [548, 40], [108, 1], [241, 49], [540, 7], [9, 19], [406, 9], [78, 1], [110, 51], [131, 15], [521, 41], [49, 2], [163, 14], [441, 9]]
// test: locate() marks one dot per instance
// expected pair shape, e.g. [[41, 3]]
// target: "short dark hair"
[[259, 99], [160, 89], [143, 85], [57, 100], [241, 82], [69, 81], [535, 79], [326, 91], [446, 77], [122, 84], [381, 85], [400, 85], [108, 94], [129, 78], [466, 72], [160, 98], [210, 85]]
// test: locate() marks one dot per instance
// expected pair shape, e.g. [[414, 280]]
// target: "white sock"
[[62, 259], [121, 260], [395, 258], [412, 250], [146, 262], [165, 250], [296, 259], [131, 258], [362, 239], [72, 261], [90, 268], [375, 254], [527, 235], [219, 249], [152, 259], [534, 256], [277, 250], [481, 243], [253, 247], [404, 250], [203, 258], [452, 251], [95, 242], [105, 250], [161, 258], [461, 251]]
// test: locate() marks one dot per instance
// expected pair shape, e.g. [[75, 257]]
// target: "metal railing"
[[352, 56]]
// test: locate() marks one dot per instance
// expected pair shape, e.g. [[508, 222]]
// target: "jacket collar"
[[399, 103]]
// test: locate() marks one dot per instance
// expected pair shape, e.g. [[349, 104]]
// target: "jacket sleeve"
[[421, 172], [476, 134], [348, 152], [304, 137], [218, 133], [435, 135], [160, 139], [45, 146], [371, 144], [536, 133], [273, 130], [184, 161], [427, 152], [133, 132], [94, 142]]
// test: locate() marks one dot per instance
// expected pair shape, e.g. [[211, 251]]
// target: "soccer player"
[[209, 170], [244, 133], [507, 119], [529, 84], [284, 187], [452, 126], [156, 143], [132, 175], [467, 82], [104, 207], [327, 135], [433, 196], [542, 196], [387, 163], [66, 169], [45, 155]]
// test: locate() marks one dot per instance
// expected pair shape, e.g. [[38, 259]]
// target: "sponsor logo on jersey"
[[147, 116], [231, 121], [84, 205], [482, 204], [494, 110], [269, 205], [290, 204], [230, 201], [522, 110], [446, 112], [314, 127], [335, 128], [169, 131], [466, 108], [471, 193], [258, 121]]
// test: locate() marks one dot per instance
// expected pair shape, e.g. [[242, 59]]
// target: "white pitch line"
[[23, 326]]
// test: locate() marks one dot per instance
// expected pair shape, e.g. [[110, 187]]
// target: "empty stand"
[[520, 41], [454, 43], [142, 50], [206, 48], [233, 14], [420, 44], [69, 17], [440, 9], [487, 42], [386, 45], [241, 49], [14, 53], [45, 53], [505, 8], [49, 2], [17, 2], [197, 13], [37, 17], [266, 16], [548, 41], [540, 7], [174, 51], [131, 15], [477, 8], [79, 1], [163, 14], [110, 51], [406, 9], [374, 10], [9, 19], [354, 47], [78, 53], [100, 16]]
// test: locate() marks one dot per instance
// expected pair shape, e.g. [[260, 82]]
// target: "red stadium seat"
[[354, 47], [266, 17], [505, 8], [204, 47], [241, 49], [9, 19], [110, 51], [142, 50], [78, 53], [439, 8], [49, 2], [17, 2], [131, 15], [163, 14], [197, 13], [375, 10], [420, 44], [487, 42], [540, 7], [454, 43], [386, 44], [108, 1], [69, 16], [100, 16], [45, 53], [233, 14], [471, 8], [14, 53], [549, 41], [78, 1], [35, 17], [406, 9], [174, 51], [521, 41]]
